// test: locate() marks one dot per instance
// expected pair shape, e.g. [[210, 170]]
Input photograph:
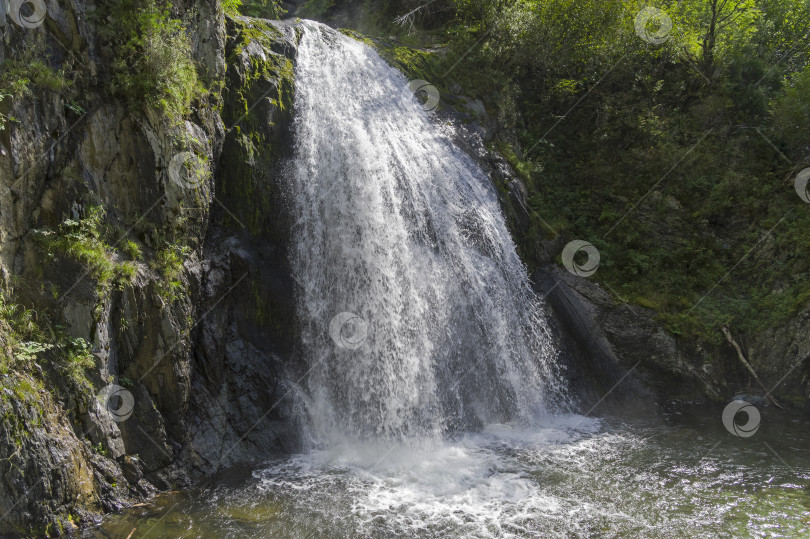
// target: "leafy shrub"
[[154, 65], [168, 263], [18, 320], [231, 7], [5, 118], [132, 250], [78, 358], [83, 241], [265, 9], [125, 273], [27, 70], [21, 76], [316, 8], [791, 112], [26, 344]]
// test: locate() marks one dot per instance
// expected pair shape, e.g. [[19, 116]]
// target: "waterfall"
[[416, 316]]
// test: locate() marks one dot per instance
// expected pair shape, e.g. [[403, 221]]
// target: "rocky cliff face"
[[242, 408], [625, 344], [189, 329]]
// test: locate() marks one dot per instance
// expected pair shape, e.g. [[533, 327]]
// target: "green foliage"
[[132, 250], [168, 262], [25, 72], [708, 29], [78, 358], [4, 117], [231, 7], [20, 76], [782, 33], [99, 448], [75, 108], [265, 9], [316, 8], [673, 177], [125, 273], [791, 110], [18, 320], [85, 241], [25, 344], [153, 64], [28, 350]]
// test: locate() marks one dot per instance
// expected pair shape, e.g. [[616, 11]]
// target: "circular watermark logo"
[[27, 13], [425, 93], [752, 422], [348, 330], [117, 401], [801, 184], [586, 268], [187, 170], [653, 25]]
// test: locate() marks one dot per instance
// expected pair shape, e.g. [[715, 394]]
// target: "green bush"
[[125, 273], [231, 7], [84, 240], [153, 63], [264, 9], [132, 250], [791, 111], [17, 326], [78, 357], [25, 344], [5, 95], [22, 73], [168, 262], [316, 8]]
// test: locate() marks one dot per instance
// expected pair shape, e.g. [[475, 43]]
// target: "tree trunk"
[[710, 41]]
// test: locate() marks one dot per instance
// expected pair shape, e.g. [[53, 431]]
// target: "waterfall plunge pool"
[[576, 477]]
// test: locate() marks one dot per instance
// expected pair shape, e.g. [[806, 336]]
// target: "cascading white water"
[[397, 226]]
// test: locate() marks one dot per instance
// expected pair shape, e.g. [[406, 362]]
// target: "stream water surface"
[[684, 476]]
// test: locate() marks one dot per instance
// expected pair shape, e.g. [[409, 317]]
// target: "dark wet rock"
[[241, 402], [243, 397], [132, 468], [618, 343]]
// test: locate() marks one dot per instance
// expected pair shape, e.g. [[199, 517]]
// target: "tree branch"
[[408, 18], [741, 357]]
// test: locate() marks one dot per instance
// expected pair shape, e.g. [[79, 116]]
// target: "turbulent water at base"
[[400, 230], [572, 478]]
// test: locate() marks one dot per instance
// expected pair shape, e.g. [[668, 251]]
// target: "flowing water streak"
[[396, 225]]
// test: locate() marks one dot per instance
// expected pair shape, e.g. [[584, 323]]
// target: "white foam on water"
[[481, 485]]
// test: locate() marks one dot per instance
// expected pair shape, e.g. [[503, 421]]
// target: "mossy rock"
[[259, 98]]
